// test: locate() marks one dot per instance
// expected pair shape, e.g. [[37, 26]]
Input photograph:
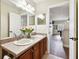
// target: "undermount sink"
[[37, 36], [23, 41]]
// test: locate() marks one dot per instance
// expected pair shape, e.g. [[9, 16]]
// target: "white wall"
[[41, 29]]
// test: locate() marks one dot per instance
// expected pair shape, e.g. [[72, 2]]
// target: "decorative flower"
[[27, 30]]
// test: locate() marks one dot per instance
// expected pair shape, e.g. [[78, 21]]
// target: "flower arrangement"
[[27, 30]]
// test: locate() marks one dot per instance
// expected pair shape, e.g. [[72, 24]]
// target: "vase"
[[28, 35], [24, 36]]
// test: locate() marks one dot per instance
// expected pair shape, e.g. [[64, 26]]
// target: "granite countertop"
[[16, 50]]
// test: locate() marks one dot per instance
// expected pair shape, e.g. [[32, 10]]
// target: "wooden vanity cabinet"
[[36, 51], [27, 55], [41, 49], [45, 44]]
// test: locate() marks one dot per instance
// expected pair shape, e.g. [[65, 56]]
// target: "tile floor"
[[49, 56]]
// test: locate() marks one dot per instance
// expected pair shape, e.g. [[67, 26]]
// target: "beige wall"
[[76, 29], [76, 18], [0, 31], [65, 35]]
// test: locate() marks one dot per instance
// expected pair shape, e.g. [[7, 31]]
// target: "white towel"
[[6, 57]]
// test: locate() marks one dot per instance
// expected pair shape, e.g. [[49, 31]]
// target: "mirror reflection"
[[32, 20], [41, 19]]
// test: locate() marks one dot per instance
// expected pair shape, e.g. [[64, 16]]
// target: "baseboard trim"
[[66, 46]]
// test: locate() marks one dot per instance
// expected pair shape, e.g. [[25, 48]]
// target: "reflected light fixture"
[[41, 16], [30, 7]]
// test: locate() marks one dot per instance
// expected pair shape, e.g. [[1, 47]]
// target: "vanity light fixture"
[[29, 10], [23, 5], [19, 2]]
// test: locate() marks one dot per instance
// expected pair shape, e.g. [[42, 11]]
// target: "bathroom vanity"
[[34, 50]]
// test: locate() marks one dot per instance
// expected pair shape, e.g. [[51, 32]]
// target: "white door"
[[72, 30], [14, 24]]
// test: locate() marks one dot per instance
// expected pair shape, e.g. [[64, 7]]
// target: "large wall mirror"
[[16, 22], [19, 21], [13, 17], [41, 19]]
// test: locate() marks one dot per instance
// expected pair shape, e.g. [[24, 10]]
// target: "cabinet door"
[[37, 51], [41, 49], [45, 44], [27, 55]]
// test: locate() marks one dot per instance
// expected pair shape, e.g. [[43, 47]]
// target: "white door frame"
[[47, 20], [72, 29]]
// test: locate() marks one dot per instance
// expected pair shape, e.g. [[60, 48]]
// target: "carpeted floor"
[[56, 47]]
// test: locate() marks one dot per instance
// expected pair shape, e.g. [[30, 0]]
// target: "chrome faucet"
[[16, 37]]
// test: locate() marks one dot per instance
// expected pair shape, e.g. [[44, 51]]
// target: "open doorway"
[[59, 30]]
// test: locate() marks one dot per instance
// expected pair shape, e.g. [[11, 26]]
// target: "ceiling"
[[60, 13], [43, 1], [37, 1], [40, 1]]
